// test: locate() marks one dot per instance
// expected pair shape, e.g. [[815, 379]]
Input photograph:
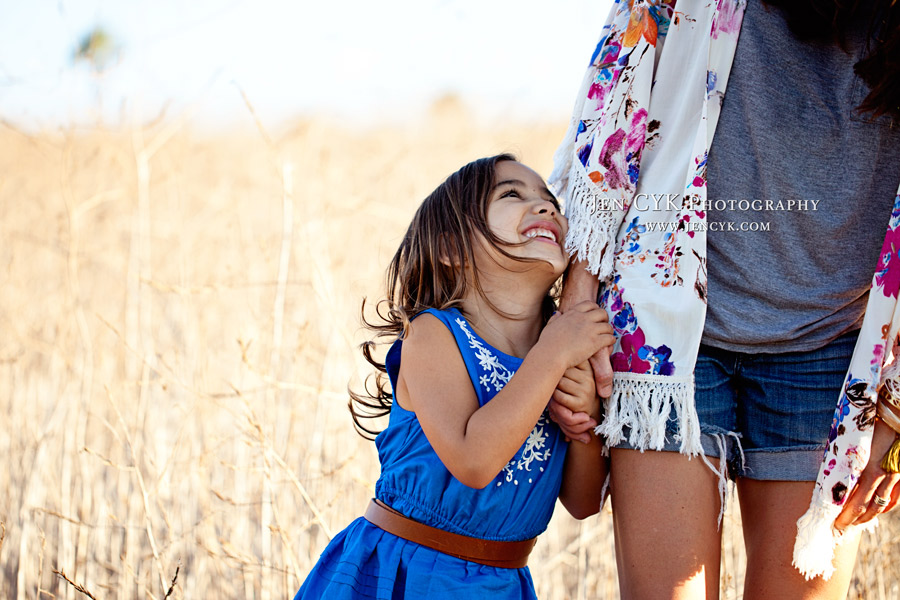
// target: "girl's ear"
[[447, 252]]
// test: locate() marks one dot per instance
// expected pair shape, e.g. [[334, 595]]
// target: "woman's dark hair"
[[429, 270], [880, 65]]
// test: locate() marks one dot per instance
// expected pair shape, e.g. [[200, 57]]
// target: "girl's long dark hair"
[[429, 270], [880, 65]]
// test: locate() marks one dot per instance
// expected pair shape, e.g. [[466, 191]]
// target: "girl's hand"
[[581, 285], [874, 481], [578, 333], [575, 426], [575, 406]]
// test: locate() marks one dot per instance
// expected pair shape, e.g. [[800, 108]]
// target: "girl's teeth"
[[542, 233]]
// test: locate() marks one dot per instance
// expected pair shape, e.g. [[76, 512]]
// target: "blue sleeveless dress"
[[363, 561]]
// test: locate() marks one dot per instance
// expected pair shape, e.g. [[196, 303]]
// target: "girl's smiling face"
[[523, 213]]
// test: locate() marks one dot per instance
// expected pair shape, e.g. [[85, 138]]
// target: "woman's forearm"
[[580, 285]]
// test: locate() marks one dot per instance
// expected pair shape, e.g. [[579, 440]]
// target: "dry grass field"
[[180, 321]]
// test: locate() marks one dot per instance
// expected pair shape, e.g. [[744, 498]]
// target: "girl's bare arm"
[[473, 442]]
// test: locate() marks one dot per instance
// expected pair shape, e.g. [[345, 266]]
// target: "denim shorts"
[[769, 413]]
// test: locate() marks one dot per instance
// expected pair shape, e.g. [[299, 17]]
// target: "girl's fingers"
[[556, 410], [581, 422], [583, 378], [562, 415], [579, 388], [578, 419], [567, 385], [581, 307], [574, 382], [586, 306], [580, 372], [592, 309], [577, 384], [583, 369], [585, 427], [568, 401], [575, 425], [582, 433], [576, 403]]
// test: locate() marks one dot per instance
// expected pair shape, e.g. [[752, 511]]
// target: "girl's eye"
[[514, 193]]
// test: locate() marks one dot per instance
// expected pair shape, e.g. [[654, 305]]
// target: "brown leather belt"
[[511, 555]]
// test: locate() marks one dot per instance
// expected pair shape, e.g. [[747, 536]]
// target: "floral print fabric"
[[635, 155]]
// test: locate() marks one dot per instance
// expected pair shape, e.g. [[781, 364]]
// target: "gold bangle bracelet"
[[890, 418]]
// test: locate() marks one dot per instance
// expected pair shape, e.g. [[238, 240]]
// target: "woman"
[[779, 222]]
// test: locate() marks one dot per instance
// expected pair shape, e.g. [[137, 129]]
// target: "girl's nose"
[[546, 207]]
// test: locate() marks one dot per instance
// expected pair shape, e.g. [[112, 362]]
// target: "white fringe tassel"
[[593, 223], [604, 491], [817, 539], [721, 472], [643, 403]]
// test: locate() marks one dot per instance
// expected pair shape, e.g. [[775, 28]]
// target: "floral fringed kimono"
[[641, 129]]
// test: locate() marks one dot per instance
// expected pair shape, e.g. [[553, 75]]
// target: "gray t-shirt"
[[788, 132]]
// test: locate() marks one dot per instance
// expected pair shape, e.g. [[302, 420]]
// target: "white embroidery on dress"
[[535, 448], [497, 375]]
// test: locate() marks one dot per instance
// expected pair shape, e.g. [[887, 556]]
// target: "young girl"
[[470, 464]]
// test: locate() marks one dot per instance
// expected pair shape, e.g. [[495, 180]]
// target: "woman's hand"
[[603, 373], [575, 406], [874, 481], [582, 286]]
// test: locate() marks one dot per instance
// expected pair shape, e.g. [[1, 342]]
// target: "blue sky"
[[362, 61]]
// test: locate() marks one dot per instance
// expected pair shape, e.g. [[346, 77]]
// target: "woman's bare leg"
[[769, 511], [665, 510]]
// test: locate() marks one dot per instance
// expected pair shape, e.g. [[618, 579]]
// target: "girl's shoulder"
[[447, 315], [427, 333], [431, 327], [467, 339], [434, 321], [461, 353]]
